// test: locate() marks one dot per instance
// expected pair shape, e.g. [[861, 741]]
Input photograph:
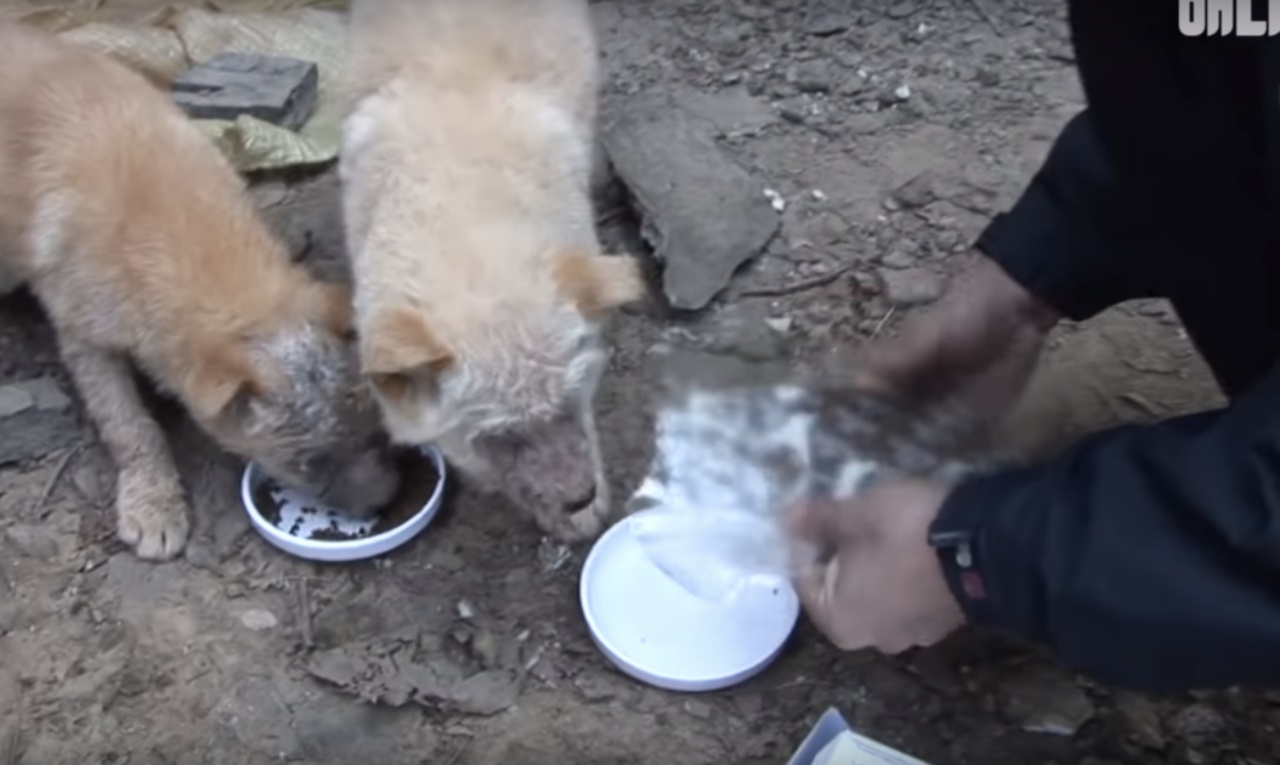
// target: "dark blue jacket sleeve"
[[1063, 240], [1147, 557]]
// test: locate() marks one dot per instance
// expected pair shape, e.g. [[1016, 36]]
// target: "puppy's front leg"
[[151, 513]]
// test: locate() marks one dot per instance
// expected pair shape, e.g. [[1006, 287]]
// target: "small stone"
[[466, 610], [1046, 701], [487, 647], [780, 324], [865, 123], [1197, 724], [280, 91], [902, 92], [815, 77], [39, 542], [986, 77], [1143, 717], [902, 9], [919, 191], [827, 18], [89, 481], [899, 260], [751, 12], [698, 709], [595, 689], [258, 619], [446, 561]]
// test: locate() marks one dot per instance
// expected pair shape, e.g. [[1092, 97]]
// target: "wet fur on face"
[[140, 242], [480, 285]]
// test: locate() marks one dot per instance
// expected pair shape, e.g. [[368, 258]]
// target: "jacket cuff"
[[990, 571], [1058, 239]]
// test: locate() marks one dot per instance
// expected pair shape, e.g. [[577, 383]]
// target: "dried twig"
[[883, 321], [800, 286], [53, 479], [304, 613], [981, 7]]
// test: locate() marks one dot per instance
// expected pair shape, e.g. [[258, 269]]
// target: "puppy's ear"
[[598, 283], [330, 305], [217, 374], [397, 348]]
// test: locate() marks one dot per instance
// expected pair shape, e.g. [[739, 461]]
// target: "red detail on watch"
[[971, 583]]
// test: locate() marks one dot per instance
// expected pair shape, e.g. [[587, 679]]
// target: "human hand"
[[884, 588], [979, 344]]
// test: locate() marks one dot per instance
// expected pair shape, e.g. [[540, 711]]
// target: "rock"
[[917, 192], [1197, 724], [703, 214], [780, 324], [902, 9], [743, 331], [814, 76], [827, 17], [898, 259], [278, 90], [258, 619], [751, 12], [732, 110], [15, 399], [38, 542], [698, 709], [486, 693], [865, 123], [1046, 701], [910, 287], [1143, 717], [91, 482], [36, 418], [595, 689]]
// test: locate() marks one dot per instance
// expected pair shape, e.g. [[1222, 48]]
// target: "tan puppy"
[[480, 285], [141, 243]]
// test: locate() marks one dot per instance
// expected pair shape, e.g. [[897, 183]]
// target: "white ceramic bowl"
[[661, 634], [292, 518]]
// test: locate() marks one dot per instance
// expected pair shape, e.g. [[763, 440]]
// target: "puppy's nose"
[[583, 501]]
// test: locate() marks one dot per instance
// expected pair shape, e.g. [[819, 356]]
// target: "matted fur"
[[480, 285], [140, 241]]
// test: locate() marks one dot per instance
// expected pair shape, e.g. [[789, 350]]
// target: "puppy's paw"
[[152, 515]]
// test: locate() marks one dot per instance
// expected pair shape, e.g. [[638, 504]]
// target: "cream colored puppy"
[[480, 284], [142, 245]]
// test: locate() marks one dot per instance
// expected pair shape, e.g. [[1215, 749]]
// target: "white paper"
[[848, 748]]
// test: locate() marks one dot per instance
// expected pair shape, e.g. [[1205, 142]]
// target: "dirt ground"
[[219, 657]]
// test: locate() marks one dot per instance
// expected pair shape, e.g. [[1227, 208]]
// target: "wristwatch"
[[956, 552]]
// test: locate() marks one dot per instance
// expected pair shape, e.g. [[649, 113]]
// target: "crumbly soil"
[[235, 653]]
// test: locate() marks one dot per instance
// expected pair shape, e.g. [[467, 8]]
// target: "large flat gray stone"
[[702, 212]]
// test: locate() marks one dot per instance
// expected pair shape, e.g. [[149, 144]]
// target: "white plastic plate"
[[293, 530], [661, 634]]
